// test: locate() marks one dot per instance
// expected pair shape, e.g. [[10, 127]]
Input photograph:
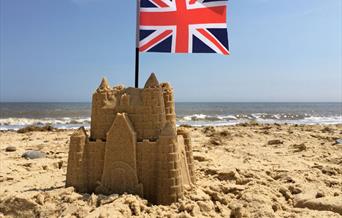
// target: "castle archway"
[[123, 178]]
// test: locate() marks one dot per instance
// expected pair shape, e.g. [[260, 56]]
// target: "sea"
[[14, 116]]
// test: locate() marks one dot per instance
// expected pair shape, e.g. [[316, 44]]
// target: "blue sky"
[[58, 50]]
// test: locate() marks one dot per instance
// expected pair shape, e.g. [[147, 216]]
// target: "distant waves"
[[193, 120], [61, 123], [262, 118]]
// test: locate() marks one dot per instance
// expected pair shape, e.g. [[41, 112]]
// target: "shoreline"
[[247, 123]]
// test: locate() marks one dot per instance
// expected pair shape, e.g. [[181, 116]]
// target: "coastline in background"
[[14, 116]]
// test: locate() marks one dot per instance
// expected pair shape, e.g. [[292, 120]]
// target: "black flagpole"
[[137, 47], [137, 68]]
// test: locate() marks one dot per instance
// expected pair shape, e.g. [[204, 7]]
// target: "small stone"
[[227, 175], [327, 130], [216, 141], [28, 165], [211, 171], [276, 207], [58, 164], [294, 190], [329, 171], [209, 131], [299, 147], [338, 142], [33, 155], [320, 194], [11, 149], [275, 142], [200, 158], [285, 192]]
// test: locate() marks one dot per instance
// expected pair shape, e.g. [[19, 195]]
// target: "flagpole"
[[137, 46]]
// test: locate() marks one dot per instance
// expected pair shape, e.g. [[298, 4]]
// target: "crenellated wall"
[[146, 111], [169, 103]]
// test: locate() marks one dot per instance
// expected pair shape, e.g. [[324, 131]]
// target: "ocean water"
[[73, 115]]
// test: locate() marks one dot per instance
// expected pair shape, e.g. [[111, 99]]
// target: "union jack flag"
[[183, 26]]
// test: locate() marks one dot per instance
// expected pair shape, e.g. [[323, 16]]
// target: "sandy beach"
[[242, 171]]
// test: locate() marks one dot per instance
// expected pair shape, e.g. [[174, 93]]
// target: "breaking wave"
[[193, 120], [263, 118], [61, 123]]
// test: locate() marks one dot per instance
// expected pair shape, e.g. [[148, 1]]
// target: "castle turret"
[[102, 115], [76, 171], [169, 103], [153, 110], [170, 187], [104, 86]]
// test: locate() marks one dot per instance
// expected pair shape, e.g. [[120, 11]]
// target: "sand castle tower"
[[134, 145]]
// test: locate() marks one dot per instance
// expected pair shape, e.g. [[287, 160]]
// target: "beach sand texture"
[[242, 171]]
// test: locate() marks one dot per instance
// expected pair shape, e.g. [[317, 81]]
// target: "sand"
[[242, 171]]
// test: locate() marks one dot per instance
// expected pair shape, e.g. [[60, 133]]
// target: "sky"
[[281, 51]]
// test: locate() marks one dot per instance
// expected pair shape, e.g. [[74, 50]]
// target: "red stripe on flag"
[[182, 32], [214, 41], [155, 40]]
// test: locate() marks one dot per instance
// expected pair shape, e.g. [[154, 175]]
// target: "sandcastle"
[[134, 146]]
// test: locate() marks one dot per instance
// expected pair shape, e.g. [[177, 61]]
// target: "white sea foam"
[[44, 121], [62, 123], [222, 120], [195, 117], [193, 120]]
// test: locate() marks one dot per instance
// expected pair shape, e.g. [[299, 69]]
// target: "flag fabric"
[[183, 26]]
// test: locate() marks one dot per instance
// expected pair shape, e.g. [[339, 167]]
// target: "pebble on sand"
[[10, 149], [33, 155], [338, 142], [275, 142]]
